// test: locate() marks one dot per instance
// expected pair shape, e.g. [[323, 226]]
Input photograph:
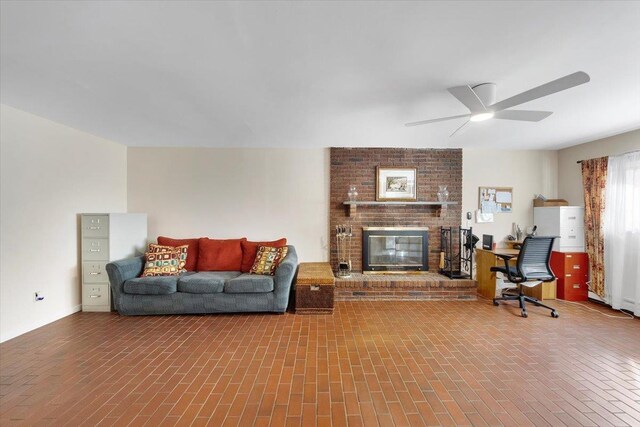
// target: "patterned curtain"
[[594, 179]]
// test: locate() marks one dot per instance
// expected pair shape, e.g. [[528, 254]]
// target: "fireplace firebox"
[[395, 249]]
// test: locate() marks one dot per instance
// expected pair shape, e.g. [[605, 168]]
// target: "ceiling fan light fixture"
[[480, 100], [480, 117]]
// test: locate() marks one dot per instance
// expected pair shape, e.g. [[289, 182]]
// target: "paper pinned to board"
[[483, 216], [489, 206], [503, 197]]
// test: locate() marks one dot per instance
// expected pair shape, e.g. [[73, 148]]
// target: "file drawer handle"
[[568, 275], [95, 296], [314, 288], [572, 237], [572, 217], [576, 286], [94, 228], [576, 266], [569, 256], [94, 250], [93, 273]]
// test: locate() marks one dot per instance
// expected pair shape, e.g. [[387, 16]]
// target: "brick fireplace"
[[357, 166]]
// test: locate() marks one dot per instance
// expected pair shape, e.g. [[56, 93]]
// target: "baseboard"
[[57, 316], [595, 297]]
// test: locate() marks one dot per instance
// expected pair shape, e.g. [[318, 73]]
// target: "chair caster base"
[[555, 314], [524, 313], [496, 303]]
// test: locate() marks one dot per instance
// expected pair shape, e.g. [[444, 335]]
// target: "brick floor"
[[370, 363]]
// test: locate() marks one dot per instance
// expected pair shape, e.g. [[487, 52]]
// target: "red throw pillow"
[[220, 255], [250, 249], [192, 251]]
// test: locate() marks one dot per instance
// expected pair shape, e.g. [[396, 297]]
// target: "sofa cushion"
[[268, 259], [249, 250], [184, 251], [162, 263], [192, 251], [220, 255], [249, 283], [205, 282], [154, 285]]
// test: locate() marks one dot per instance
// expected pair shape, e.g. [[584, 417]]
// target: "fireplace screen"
[[395, 249]]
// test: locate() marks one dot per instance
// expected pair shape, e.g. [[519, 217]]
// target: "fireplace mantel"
[[352, 205]]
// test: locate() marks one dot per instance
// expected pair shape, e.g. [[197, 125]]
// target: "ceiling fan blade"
[[442, 119], [558, 85], [460, 129], [468, 97], [523, 115]]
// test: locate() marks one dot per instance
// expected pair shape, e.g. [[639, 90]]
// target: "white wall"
[[269, 193], [261, 194], [569, 171], [529, 172], [49, 174]]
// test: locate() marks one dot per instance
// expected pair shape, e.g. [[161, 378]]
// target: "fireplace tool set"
[[344, 233], [456, 252]]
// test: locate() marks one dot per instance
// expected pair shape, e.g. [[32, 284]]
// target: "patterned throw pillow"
[[194, 246], [250, 249], [163, 248], [162, 263], [268, 259]]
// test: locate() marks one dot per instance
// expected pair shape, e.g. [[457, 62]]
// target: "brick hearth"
[[428, 286]]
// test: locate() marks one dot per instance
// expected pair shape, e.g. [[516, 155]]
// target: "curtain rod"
[[580, 161], [622, 154]]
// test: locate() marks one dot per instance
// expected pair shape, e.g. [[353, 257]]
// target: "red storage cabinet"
[[572, 271]]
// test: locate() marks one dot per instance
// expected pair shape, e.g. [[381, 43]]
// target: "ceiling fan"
[[481, 101]]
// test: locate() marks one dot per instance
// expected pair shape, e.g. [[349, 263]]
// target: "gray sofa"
[[201, 292]]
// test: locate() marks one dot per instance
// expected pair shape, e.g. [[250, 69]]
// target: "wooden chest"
[[314, 288]]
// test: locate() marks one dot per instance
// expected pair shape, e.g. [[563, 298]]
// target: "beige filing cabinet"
[[566, 222], [107, 237]]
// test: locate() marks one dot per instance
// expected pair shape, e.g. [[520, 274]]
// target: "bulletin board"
[[495, 199]]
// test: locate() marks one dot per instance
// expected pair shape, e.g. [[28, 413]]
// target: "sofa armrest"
[[283, 279], [119, 272]]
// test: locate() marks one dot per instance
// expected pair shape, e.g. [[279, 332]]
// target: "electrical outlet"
[[38, 296]]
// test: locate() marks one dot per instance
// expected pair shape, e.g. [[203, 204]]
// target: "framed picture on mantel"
[[396, 184]]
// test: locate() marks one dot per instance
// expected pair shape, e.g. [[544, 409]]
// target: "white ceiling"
[[318, 74]]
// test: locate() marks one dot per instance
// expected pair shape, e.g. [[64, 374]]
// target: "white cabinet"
[[104, 238], [567, 222]]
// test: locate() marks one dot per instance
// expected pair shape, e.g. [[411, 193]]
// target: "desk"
[[486, 259], [512, 244]]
